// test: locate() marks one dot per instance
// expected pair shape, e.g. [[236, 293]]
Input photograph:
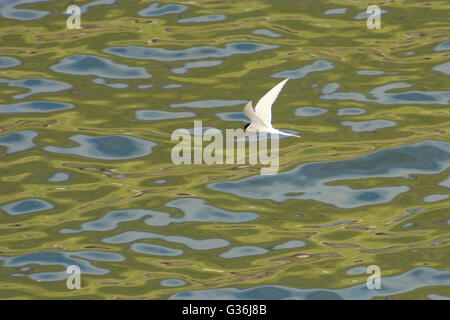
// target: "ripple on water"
[[35, 107], [18, 141], [154, 10], [115, 147], [172, 86], [336, 11], [64, 259], [405, 282], [36, 86], [319, 65], [27, 206], [131, 236], [195, 210], [153, 115], [444, 68], [89, 65], [309, 111], [59, 177], [115, 85], [243, 251], [330, 88], [373, 72], [371, 125], [195, 65], [266, 33], [444, 46], [205, 18], [9, 62], [427, 157], [435, 197], [85, 8], [350, 111], [290, 245], [8, 10], [208, 104], [433, 296], [445, 183], [161, 54], [382, 96], [172, 283], [144, 86], [233, 116], [157, 250], [356, 271]]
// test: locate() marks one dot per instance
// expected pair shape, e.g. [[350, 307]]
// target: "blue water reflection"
[[205, 18], [382, 96], [172, 283], [195, 210], [64, 259], [335, 11], [208, 104], [350, 111], [18, 141], [89, 65], [153, 115], [405, 282], [115, 147], [444, 68], [444, 46], [319, 65], [26, 206], [233, 116], [435, 197], [9, 62], [309, 111], [8, 10], [266, 33], [36, 86], [195, 65], [161, 54], [157, 250], [310, 181], [290, 245], [59, 177], [154, 10], [131, 236], [35, 107], [370, 125], [244, 251]]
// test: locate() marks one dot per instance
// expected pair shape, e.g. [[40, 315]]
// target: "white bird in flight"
[[261, 116]]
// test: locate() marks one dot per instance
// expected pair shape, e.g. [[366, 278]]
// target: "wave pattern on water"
[[86, 176]]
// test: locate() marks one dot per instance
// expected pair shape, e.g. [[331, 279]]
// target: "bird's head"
[[246, 126]]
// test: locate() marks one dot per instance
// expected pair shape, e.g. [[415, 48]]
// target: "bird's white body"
[[261, 116]]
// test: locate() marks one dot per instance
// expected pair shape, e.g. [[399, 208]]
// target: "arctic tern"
[[261, 116]]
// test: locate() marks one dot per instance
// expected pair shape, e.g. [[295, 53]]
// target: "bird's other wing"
[[250, 113], [263, 108]]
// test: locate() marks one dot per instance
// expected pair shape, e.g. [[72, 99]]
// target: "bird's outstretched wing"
[[263, 108], [250, 113]]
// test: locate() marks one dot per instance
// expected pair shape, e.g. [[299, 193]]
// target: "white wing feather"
[[250, 113], [263, 108]]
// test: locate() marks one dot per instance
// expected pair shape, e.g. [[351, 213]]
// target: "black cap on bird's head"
[[246, 126]]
